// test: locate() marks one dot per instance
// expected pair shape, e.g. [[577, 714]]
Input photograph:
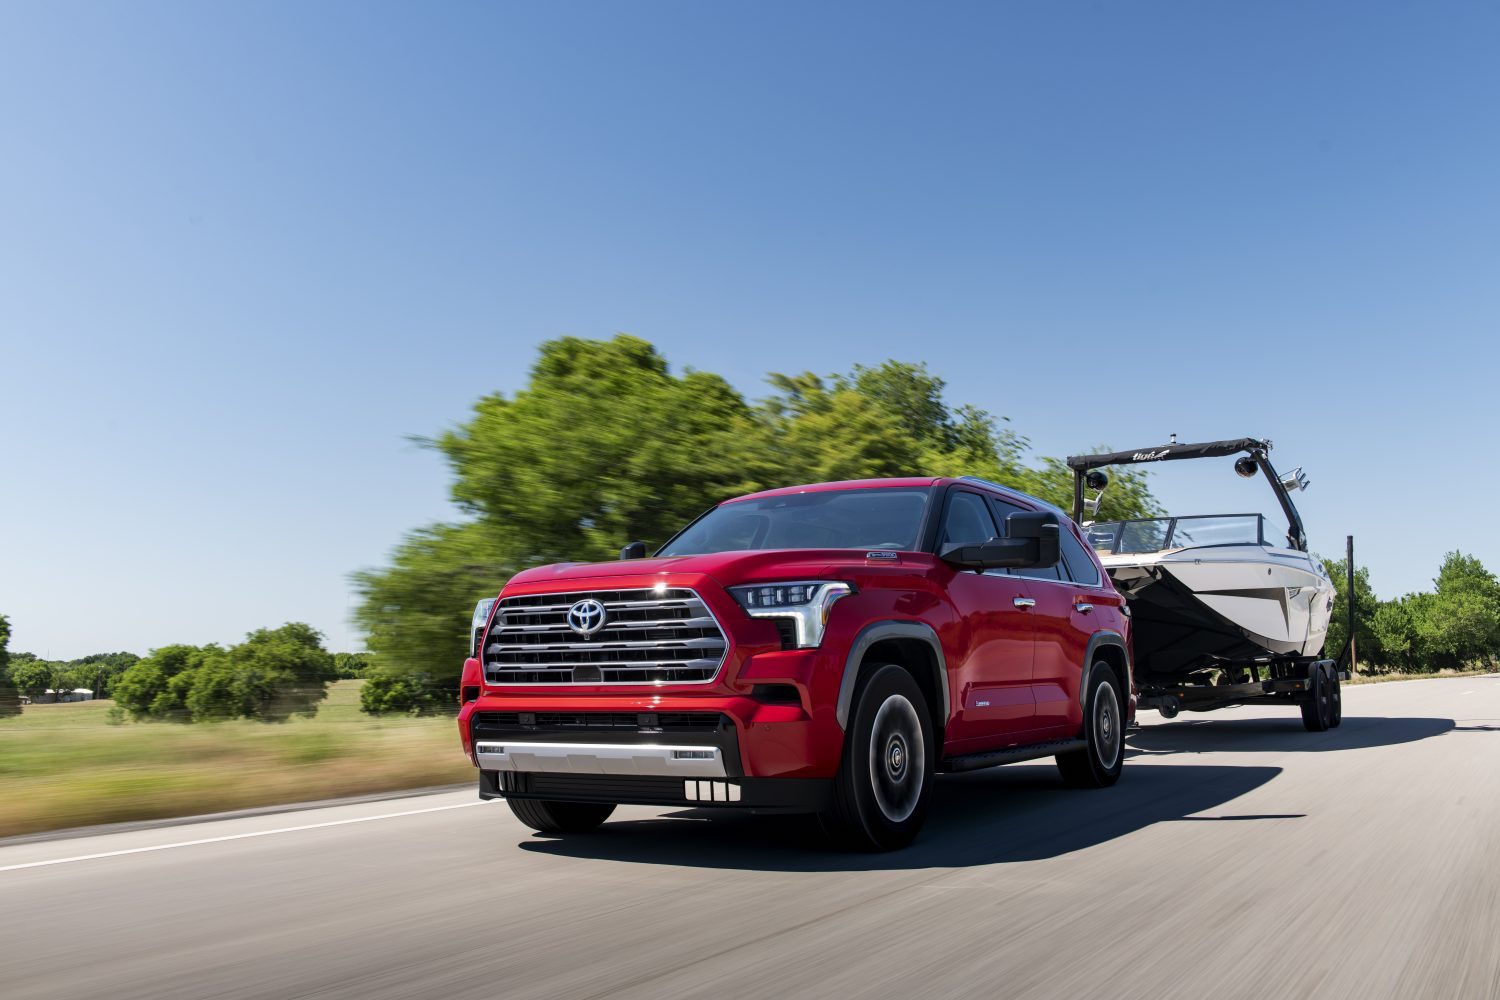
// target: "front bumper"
[[755, 795], [657, 760]]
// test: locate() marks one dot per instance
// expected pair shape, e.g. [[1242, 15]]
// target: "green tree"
[[276, 674], [157, 687], [606, 445], [1370, 648], [216, 692], [893, 420], [1394, 626], [350, 665], [1463, 622], [10, 698], [416, 613], [271, 676], [413, 692], [32, 677], [99, 671]]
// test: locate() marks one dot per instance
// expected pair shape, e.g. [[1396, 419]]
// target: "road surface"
[[1238, 857]]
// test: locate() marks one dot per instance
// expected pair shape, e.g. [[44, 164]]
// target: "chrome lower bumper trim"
[[602, 758]]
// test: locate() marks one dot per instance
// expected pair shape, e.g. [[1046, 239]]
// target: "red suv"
[[824, 649]]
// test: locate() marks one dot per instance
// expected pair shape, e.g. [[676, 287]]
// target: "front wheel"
[[547, 816], [1099, 764], [884, 782]]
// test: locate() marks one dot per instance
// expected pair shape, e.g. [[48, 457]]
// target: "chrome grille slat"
[[693, 664], [648, 637], [702, 643], [707, 622], [610, 605]]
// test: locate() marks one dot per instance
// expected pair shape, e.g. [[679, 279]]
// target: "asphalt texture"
[[1239, 856]]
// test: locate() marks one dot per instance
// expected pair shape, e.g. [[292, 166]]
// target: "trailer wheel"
[[1098, 765], [1336, 699], [1316, 706]]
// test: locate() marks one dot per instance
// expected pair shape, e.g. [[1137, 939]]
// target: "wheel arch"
[[1106, 646], [913, 645]]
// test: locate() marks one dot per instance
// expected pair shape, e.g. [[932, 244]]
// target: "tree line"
[[273, 675], [1454, 625], [605, 444]]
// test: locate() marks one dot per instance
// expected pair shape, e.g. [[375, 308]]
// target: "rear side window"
[[1080, 567]]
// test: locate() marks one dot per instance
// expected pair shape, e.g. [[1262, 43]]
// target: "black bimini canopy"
[[1167, 453]]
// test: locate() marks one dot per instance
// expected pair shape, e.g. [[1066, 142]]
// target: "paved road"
[[1240, 856]]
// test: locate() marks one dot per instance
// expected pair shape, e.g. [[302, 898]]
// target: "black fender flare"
[[1105, 637], [876, 632]]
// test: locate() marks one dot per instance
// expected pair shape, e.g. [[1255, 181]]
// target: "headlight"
[[476, 625], [806, 604]]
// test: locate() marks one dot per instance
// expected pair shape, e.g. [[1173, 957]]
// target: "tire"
[[884, 782], [1316, 707], [548, 816], [1099, 764], [1336, 700]]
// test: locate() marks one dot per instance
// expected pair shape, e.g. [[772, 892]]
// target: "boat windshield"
[[883, 518], [1154, 534]]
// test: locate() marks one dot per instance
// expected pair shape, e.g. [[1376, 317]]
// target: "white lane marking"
[[235, 836]]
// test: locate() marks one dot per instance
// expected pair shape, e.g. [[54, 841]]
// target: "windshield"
[[1155, 534], [827, 519]]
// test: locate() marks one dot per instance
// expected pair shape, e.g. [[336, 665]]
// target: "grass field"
[[65, 765]]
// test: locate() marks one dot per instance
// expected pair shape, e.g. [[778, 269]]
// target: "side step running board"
[[1010, 755]]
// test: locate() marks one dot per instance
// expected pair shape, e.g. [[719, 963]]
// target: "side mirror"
[[1040, 526], [635, 550], [1031, 541], [997, 553]]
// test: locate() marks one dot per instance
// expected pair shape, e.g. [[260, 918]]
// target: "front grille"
[[648, 637]]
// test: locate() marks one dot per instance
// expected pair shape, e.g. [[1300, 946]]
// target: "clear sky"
[[246, 250]]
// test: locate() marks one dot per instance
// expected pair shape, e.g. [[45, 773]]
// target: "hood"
[[726, 568]]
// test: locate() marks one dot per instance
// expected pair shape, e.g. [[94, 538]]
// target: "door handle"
[[1024, 602], [1083, 608]]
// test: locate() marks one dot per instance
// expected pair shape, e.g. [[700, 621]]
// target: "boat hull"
[[1195, 609]]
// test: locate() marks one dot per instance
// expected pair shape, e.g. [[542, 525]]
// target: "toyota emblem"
[[586, 617]]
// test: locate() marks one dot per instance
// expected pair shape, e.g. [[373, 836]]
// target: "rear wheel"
[[560, 817], [884, 782], [1098, 765], [1317, 707]]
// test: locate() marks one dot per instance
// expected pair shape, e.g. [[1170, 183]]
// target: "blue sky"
[[245, 252]]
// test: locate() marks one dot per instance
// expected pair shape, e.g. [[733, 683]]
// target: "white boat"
[[1211, 590]]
